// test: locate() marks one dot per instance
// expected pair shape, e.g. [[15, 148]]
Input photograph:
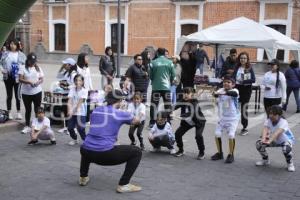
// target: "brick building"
[[67, 25]]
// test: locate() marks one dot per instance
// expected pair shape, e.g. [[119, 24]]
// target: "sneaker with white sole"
[[290, 167], [26, 130], [172, 151], [263, 162], [244, 132], [83, 181], [128, 188], [63, 130], [19, 116], [10, 117], [73, 142]]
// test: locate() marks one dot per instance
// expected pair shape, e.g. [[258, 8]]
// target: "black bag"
[[3, 116]]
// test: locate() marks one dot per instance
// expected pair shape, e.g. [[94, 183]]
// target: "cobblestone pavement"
[[51, 172]]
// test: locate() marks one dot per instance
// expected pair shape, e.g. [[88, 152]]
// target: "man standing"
[[162, 74], [200, 55], [230, 64], [138, 76]]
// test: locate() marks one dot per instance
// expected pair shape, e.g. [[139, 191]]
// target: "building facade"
[[68, 25]]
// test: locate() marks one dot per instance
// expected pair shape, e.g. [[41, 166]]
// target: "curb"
[[11, 126]]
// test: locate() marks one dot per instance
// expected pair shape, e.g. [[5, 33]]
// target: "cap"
[[114, 96], [274, 62], [69, 61]]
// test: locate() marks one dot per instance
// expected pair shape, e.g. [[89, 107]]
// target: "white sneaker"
[[290, 167], [128, 188], [10, 117], [26, 130], [83, 181], [19, 116], [73, 142], [263, 162], [172, 151], [154, 150], [63, 130]]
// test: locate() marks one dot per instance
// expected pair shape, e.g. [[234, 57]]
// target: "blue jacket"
[[292, 76]]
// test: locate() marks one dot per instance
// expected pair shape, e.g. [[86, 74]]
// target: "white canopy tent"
[[243, 32]]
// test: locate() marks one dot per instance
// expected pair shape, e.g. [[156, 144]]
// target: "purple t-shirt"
[[105, 124]]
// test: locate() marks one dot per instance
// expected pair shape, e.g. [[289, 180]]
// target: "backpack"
[[3, 116]]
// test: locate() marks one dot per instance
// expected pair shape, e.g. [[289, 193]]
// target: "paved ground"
[[51, 172]]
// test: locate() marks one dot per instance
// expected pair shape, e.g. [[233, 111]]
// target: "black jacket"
[[228, 65], [191, 109], [138, 76], [107, 65], [188, 72]]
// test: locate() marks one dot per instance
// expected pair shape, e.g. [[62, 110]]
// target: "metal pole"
[[119, 40]]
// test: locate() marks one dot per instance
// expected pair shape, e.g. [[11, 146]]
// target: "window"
[[281, 29], [59, 37], [187, 29], [114, 37]]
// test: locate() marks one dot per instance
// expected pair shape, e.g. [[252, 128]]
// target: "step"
[[11, 126]]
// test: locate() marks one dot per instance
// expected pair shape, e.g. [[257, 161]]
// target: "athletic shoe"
[[179, 153], [244, 132], [217, 156], [83, 181], [10, 117], [19, 116], [133, 143], [32, 142], [290, 167], [201, 156], [298, 111], [154, 150], [229, 159], [73, 142], [26, 130], [63, 130], [263, 162], [172, 151], [52, 142], [128, 188]]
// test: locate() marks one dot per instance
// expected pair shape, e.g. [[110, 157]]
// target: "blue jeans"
[[77, 122], [289, 90], [200, 66], [173, 94]]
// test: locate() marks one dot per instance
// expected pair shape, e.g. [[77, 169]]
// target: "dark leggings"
[[245, 92], [139, 128], [183, 128], [162, 141], [10, 85], [269, 102], [119, 154], [36, 99]]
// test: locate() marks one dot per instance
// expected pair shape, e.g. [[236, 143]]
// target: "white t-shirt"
[[39, 125], [269, 80], [282, 124], [228, 106], [76, 95], [167, 130], [14, 56], [30, 74], [137, 111], [85, 72]]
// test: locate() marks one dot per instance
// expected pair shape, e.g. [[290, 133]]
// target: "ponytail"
[[277, 78]]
